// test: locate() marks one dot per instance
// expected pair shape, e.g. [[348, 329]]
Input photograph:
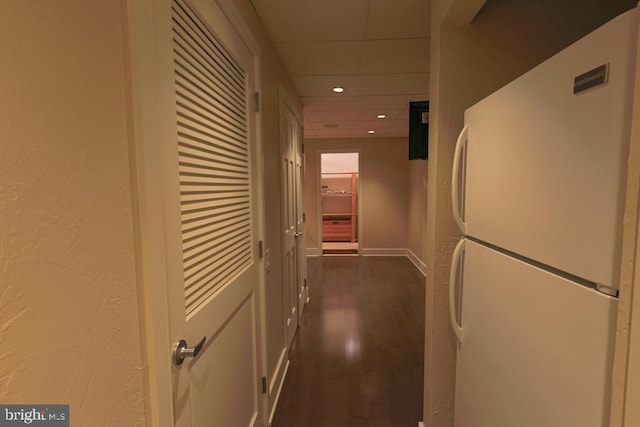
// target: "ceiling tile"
[[393, 84], [353, 124], [321, 58], [400, 114], [398, 19], [378, 50], [395, 56], [419, 97], [332, 133], [364, 133], [400, 124], [336, 116], [381, 103], [378, 126], [308, 125], [335, 125], [397, 132], [399, 128], [327, 103], [323, 85], [322, 116], [295, 20]]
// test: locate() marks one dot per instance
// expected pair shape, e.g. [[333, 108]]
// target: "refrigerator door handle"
[[455, 174], [455, 261]]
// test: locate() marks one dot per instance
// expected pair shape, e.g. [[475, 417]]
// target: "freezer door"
[[546, 168], [536, 348]]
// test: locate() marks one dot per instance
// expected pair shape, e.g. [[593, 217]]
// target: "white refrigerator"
[[538, 192]]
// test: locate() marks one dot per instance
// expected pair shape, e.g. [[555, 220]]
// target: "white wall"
[[417, 213], [625, 410], [68, 298], [339, 162], [632, 378], [383, 191]]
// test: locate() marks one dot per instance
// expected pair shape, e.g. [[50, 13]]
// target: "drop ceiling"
[[377, 50]]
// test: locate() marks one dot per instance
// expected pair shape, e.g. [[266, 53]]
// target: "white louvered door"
[[210, 197]]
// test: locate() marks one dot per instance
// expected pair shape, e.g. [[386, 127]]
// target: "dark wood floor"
[[357, 358]]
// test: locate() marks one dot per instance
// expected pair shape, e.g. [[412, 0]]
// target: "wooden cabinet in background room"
[[339, 208], [338, 228]]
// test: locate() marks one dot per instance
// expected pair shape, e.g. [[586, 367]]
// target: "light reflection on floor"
[[340, 332], [358, 356]]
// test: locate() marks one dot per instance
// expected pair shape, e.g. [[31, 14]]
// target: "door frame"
[[143, 97], [318, 192]]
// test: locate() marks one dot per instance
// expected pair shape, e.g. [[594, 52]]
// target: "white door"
[[209, 190], [302, 288], [289, 222]]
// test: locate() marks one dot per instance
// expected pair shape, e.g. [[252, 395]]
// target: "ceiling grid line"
[[378, 50]]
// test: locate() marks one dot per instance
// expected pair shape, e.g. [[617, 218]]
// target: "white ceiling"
[[378, 50]]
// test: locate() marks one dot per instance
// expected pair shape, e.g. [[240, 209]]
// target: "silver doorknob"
[[298, 234], [181, 351]]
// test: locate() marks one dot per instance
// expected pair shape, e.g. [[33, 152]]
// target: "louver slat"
[[213, 156]]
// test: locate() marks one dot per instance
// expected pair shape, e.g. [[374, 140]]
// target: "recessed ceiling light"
[[338, 89], [381, 116], [372, 131]]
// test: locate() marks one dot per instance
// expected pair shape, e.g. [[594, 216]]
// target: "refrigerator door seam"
[[612, 292], [578, 280]]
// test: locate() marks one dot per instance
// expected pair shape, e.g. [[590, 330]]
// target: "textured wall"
[[68, 310], [626, 370], [417, 211], [383, 189]]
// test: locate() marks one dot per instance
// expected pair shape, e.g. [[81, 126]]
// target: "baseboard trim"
[[313, 252], [279, 371], [417, 262], [383, 252], [421, 266], [279, 374], [275, 401]]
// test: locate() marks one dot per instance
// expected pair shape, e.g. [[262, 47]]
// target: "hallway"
[[357, 358]]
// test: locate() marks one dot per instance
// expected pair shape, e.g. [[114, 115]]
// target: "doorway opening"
[[339, 203]]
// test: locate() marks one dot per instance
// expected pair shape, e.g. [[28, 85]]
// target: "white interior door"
[[301, 267], [289, 223], [209, 191]]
